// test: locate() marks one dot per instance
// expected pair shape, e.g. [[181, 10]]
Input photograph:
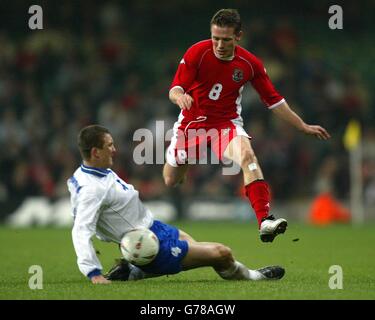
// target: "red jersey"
[[216, 85]]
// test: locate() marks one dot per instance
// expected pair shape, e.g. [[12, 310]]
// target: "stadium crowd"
[[98, 63]]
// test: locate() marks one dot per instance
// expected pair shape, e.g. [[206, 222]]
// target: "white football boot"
[[271, 227]]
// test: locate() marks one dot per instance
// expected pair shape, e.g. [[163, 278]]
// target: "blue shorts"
[[171, 250]]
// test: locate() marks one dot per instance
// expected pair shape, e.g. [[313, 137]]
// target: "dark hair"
[[91, 137], [227, 18]]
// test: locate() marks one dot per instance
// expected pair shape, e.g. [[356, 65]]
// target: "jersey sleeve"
[[263, 85], [86, 216], [187, 70]]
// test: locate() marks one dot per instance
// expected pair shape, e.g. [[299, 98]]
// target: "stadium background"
[[112, 63]]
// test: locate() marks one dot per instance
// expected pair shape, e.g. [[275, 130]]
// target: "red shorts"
[[191, 140]]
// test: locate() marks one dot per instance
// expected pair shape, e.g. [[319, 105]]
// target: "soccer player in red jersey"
[[207, 87]]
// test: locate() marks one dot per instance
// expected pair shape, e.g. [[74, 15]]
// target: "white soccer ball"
[[139, 246]]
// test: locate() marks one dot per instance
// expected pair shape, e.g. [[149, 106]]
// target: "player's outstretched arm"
[[283, 111]]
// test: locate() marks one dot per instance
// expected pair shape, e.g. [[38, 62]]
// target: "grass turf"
[[307, 262]]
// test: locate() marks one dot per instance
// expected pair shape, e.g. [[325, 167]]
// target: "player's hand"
[[317, 131], [100, 280], [184, 101]]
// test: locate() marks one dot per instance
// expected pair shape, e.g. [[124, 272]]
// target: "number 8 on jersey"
[[215, 91]]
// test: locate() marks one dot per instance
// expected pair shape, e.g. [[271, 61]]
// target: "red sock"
[[259, 197]]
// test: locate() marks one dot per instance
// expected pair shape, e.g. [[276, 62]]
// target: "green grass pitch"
[[307, 262]]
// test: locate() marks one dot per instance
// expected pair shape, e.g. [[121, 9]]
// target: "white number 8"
[[215, 91]]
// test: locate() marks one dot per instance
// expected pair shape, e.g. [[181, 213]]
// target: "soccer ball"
[[139, 246]]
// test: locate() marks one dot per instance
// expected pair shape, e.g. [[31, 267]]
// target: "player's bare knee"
[[223, 254], [169, 181], [247, 157]]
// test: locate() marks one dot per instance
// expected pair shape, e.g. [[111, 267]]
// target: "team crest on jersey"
[[237, 75]]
